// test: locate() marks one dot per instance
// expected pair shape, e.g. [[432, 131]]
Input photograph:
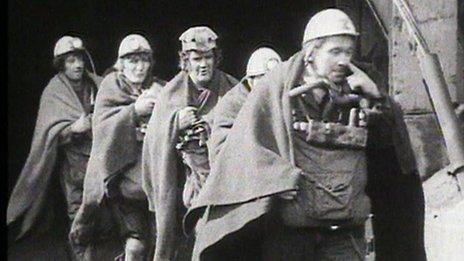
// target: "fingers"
[[289, 195], [191, 114], [300, 126], [298, 90], [190, 109], [353, 68], [362, 81], [189, 119]]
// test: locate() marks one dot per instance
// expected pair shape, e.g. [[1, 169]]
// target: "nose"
[[343, 62], [79, 64], [344, 59], [203, 63], [140, 65]]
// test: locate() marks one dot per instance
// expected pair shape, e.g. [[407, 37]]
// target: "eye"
[[350, 52], [335, 51], [145, 59], [135, 60]]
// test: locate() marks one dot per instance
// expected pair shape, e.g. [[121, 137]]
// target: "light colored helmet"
[[134, 43], [329, 22], [200, 38], [261, 61], [67, 44]]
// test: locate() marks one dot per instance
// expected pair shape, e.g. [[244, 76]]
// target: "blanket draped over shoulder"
[[59, 108], [224, 116], [255, 162], [115, 147], [162, 167]]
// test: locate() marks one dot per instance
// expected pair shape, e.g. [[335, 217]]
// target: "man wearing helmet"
[[261, 61], [292, 176], [185, 108], [62, 139], [122, 109]]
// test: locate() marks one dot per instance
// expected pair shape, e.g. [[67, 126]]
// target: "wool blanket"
[[59, 108], [162, 166]]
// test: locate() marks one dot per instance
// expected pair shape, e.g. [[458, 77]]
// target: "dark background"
[[35, 26]]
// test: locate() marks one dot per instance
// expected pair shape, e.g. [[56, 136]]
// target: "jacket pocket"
[[327, 196]]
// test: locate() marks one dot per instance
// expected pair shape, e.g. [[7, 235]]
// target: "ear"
[[308, 57]]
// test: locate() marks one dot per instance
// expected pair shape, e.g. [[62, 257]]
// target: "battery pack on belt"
[[336, 135]]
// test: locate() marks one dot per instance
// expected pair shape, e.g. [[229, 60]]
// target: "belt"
[[329, 228]]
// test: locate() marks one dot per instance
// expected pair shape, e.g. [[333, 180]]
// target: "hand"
[[144, 104], [300, 126], [81, 231], [313, 83], [187, 117], [83, 124], [289, 195], [359, 80]]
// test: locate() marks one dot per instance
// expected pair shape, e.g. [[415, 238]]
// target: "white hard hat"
[[261, 61], [200, 38], [329, 22], [67, 44], [134, 43]]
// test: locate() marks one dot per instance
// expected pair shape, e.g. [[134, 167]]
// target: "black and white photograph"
[[230, 130]]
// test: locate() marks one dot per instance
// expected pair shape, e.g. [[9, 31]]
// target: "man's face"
[[135, 67], [74, 66], [201, 66], [332, 59]]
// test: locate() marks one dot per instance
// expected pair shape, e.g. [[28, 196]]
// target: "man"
[[291, 176], [185, 110], [61, 142], [260, 62], [122, 109]]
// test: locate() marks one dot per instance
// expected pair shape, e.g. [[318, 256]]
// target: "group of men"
[[272, 167]]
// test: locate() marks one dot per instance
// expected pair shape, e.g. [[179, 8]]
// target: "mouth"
[[339, 73], [139, 75]]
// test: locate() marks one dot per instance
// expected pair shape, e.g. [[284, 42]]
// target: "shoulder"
[[235, 96], [109, 87], [176, 82], [109, 81], [54, 85]]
